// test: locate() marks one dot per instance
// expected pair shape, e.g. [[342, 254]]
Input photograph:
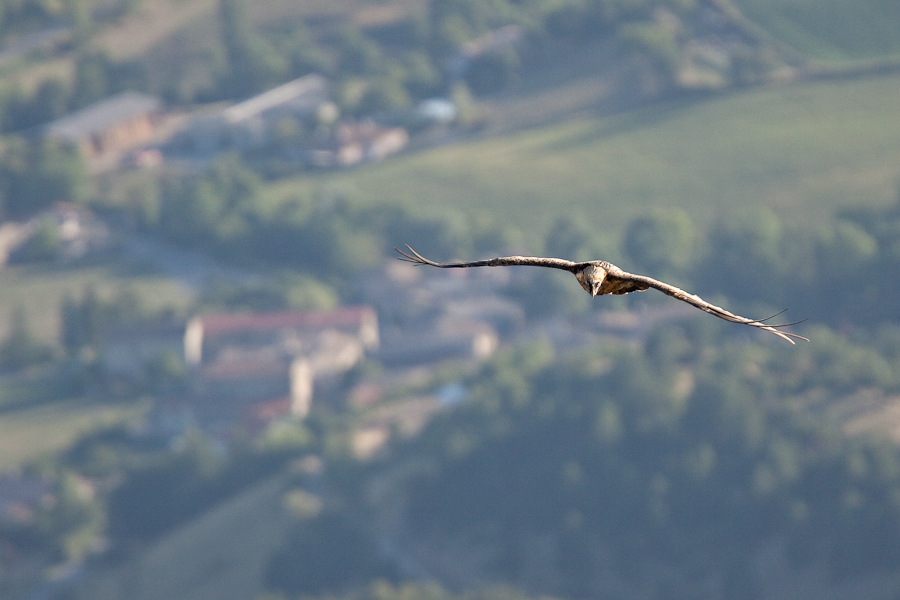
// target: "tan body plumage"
[[599, 277]]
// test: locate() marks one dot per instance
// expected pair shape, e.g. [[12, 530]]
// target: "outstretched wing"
[[712, 309], [625, 283], [503, 261]]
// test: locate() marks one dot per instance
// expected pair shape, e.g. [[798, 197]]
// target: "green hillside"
[[40, 413], [800, 149], [831, 30], [45, 427], [220, 555], [41, 289]]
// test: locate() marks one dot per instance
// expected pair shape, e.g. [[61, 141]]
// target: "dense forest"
[[694, 465], [673, 471]]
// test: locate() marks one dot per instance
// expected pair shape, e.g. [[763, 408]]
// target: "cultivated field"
[[831, 30], [803, 149]]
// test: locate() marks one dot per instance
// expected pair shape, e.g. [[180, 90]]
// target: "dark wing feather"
[[503, 261], [712, 309], [628, 282]]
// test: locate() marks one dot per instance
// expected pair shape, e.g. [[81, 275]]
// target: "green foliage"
[[422, 76], [843, 274], [654, 39], [160, 492], [83, 319], [91, 79], [386, 94], [327, 236], [612, 451], [96, 76], [50, 101], [303, 55], [327, 553], [18, 15], [166, 371], [359, 55], [662, 242], [43, 245], [74, 522], [493, 71], [212, 209], [21, 349], [35, 174], [571, 238], [747, 250], [290, 291], [252, 62]]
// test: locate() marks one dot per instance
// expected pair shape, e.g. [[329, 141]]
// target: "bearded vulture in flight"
[[599, 277]]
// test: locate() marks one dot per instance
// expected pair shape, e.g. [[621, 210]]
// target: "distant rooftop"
[[306, 92], [232, 323], [101, 115]]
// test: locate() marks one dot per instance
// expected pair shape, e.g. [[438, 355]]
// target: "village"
[[388, 365], [243, 371], [246, 371], [135, 129], [385, 358]]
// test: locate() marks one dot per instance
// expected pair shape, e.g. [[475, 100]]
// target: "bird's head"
[[591, 278]]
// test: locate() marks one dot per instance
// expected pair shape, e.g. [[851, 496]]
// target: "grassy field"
[[42, 428], [803, 149], [218, 556], [35, 416], [41, 289], [831, 30]]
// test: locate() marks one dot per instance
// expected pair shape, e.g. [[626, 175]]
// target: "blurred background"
[[216, 381]]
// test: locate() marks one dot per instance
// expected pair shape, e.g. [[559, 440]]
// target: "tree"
[[573, 239], [49, 102], [252, 64], [746, 253], [422, 77], [326, 554], [43, 245], [301, 52], [78, 13], [213, 207], [35, 174], [21, 348], [656, 41], [358, 54], [385, 94], [660, 243], [92, 79], [74, 522], [493, 71], [72, 329]]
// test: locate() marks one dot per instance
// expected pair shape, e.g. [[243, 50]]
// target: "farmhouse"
[[251, 123], [109, 128], [356, 142], [209, 335], [239, 357]]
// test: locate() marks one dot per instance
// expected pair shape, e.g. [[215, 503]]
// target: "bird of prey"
[[599, 277]]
